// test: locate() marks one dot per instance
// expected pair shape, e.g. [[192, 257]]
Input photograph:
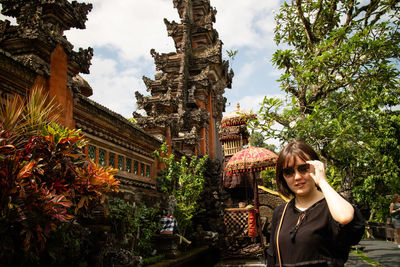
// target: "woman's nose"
[[297, 175]]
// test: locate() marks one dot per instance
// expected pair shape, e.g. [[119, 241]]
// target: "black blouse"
[[312, 237]]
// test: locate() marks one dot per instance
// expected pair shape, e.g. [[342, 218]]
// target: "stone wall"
[[268, 202]]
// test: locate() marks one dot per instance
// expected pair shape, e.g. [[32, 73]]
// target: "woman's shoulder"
[[279, 209]]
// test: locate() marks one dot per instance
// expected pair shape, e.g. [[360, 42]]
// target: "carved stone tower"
[[186, 102]]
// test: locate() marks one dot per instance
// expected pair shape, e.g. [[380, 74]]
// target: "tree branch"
[[279, 119], [306, 23], [372, 7], [349, 14], [320, 4], [331, 15]]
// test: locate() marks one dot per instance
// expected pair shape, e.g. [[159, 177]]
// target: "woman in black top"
[[318, 226]]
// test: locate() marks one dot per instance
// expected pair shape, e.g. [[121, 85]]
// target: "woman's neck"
[[304, 202]]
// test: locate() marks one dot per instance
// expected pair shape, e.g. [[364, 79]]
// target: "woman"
[[395, 212], [318, 226]]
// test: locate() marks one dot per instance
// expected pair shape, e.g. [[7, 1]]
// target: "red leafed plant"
[[45, 179]]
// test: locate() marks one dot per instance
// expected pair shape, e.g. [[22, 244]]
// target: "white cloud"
[[247, 23], [113, 88], [244, 74], [132, 28]]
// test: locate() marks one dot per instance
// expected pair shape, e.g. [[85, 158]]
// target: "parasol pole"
[[257, 204], [245, 189]]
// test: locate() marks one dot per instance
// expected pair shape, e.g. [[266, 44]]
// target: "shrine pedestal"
[[167, 244]]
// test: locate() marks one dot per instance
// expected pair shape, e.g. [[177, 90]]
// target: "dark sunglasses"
[[290, 171]]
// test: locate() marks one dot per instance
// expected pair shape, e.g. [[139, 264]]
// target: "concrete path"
[[383, 252]]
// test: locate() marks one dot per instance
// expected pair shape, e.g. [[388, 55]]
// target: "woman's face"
[[296, 173]]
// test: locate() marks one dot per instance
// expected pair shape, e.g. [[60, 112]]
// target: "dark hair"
[[395, 198], [290, 151]]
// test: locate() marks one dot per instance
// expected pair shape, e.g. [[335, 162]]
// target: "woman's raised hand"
[[317, 171]]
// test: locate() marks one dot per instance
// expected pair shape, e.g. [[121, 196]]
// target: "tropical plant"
[[341, 76], [134, 224], [184, 181], [44, 179]]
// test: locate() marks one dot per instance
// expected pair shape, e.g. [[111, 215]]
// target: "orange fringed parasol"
[[251, 159]]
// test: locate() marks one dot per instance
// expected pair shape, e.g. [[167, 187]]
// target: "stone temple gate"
[[186, 102]]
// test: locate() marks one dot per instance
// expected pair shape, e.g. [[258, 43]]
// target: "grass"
[[152, 260], [362, 256]]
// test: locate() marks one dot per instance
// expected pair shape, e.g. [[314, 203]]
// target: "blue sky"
[[122, 32]]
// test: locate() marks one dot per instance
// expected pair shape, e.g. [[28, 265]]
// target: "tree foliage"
[[134, 224], [184, 181], [341, 75], [258, 140]]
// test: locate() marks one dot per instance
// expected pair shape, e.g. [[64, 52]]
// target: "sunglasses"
[[290, 171]]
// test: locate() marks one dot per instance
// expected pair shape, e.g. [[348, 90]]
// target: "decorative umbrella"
[[252, 160]]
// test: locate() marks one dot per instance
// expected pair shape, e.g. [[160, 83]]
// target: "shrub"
[[184, 180], [134, 224]]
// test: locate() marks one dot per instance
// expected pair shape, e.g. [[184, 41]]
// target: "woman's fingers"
[[317, 170]]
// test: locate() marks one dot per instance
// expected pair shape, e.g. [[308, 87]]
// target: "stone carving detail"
[[43, 23], [83, 59], [4, 25], [179, 95]]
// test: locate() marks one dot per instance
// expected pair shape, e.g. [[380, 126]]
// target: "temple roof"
[[237, 117]]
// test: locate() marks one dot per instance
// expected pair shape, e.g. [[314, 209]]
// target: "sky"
[[122, 32]]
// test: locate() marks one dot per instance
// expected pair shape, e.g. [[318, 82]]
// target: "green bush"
[[184, 180], [134, 224]]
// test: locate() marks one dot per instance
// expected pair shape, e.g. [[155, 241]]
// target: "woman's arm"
[[341, 210], [392, 210]]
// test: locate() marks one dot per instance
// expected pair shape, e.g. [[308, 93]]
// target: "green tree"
[[257, 140], [134, 224], [184, 180], [340, 73]]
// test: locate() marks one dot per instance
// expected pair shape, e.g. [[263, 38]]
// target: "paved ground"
[[384, 252]]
